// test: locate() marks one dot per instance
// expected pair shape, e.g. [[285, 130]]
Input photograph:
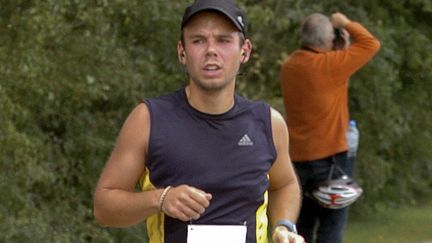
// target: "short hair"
[[316, 31]]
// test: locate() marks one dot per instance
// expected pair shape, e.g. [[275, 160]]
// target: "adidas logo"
[[245, 141]]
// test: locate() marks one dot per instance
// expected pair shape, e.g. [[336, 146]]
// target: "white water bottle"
[[352, 138]]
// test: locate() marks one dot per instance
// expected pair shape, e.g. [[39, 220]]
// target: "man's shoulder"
[[165, 100], [244, 101], [299, 54]]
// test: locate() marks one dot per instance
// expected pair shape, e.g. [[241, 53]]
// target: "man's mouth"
[[211, 67]]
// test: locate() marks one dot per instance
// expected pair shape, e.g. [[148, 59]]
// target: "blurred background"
[[71, 71]]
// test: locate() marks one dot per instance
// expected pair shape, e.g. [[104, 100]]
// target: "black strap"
[[333, 167]]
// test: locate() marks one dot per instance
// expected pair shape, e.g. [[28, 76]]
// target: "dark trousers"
[[316, 223]]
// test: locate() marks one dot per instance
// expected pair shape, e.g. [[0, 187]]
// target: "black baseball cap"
[[226, 7]]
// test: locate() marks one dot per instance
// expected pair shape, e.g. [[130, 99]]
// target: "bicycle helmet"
[[336, 193]]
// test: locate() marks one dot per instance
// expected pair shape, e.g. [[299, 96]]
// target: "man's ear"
[[246, 50], [181, 53]]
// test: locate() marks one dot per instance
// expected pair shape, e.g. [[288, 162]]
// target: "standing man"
[[212, 164], [314, 83]]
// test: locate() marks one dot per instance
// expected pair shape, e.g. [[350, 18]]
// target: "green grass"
[[403, 225]]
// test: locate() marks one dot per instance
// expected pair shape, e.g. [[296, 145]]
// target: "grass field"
[[406, 225]]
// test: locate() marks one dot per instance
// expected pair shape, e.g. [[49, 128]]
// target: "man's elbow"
[[99, 217], [376, 45]]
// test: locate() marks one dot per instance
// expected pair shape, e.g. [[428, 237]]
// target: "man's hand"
[[339, 20], [185, 203], [282, 235]]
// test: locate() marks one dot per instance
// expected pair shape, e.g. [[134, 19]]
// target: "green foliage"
[[71, 71]]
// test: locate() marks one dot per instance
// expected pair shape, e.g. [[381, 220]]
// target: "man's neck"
[[210, 102]]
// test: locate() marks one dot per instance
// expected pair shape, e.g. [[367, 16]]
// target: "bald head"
[[317, 31]]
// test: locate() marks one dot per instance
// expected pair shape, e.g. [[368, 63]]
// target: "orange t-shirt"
[[315, 90]]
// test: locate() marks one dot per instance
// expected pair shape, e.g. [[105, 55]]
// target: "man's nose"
[[211, 48]]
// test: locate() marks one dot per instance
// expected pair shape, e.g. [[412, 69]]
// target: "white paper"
[[216, 233]]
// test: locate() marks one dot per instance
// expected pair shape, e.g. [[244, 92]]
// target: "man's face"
[[211, 50]]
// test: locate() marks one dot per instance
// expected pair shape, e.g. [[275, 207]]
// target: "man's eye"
[[225, 40], [197, 41]]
